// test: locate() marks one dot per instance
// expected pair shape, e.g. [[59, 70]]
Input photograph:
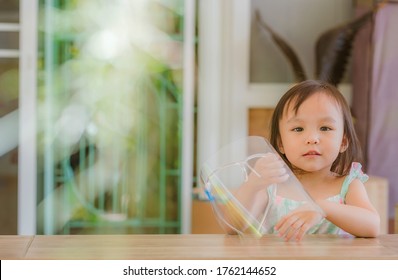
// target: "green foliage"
[[110, 84]]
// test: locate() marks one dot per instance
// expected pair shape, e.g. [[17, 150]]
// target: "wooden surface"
[[396, 219], [203, 218], [195, 246], [377, 189], [8, 202], [259, 121], [14, 246]]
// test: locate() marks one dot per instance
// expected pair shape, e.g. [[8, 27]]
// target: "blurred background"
[[109, 108]]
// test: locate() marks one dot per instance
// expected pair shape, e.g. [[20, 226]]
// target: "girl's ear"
[[280, 147], [344, 144]]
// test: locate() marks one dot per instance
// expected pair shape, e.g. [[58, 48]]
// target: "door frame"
[[27, 151]]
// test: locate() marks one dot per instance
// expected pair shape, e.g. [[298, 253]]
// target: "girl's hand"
[[268, 170], [294, 225]]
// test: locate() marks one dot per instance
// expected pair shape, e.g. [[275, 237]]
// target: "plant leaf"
[[286, 49], [333, 49]]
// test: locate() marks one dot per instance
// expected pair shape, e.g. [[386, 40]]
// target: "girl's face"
[[313, 138]]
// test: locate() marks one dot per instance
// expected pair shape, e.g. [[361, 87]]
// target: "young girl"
[[313, 133]]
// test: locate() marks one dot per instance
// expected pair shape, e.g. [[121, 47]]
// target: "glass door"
[[110, 117]]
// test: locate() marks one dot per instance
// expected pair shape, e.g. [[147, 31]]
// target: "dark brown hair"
[[301, 92]]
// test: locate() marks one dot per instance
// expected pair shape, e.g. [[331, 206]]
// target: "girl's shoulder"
[[356, 173], [356, 178]]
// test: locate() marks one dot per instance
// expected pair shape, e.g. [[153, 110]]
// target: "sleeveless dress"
[[282, 206]]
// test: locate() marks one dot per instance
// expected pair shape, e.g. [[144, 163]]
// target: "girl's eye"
[[325, 128], [297, 129]]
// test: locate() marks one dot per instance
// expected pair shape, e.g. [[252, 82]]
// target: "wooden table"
[[195, 246]]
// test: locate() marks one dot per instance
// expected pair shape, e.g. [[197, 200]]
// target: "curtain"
[[375, 97]]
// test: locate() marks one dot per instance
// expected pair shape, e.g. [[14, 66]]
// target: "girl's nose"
[[312, 139]]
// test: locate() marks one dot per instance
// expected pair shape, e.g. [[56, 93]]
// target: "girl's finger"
[[294, 229], [269, 163], [283, 226], [303, 230]]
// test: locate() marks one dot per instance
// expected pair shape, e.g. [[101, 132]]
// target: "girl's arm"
[[252, 199], [358, 216]]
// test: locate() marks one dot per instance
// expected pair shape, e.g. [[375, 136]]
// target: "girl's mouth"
[[312, 153]]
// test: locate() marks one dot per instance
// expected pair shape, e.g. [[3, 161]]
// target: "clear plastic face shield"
[[236, 165]]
